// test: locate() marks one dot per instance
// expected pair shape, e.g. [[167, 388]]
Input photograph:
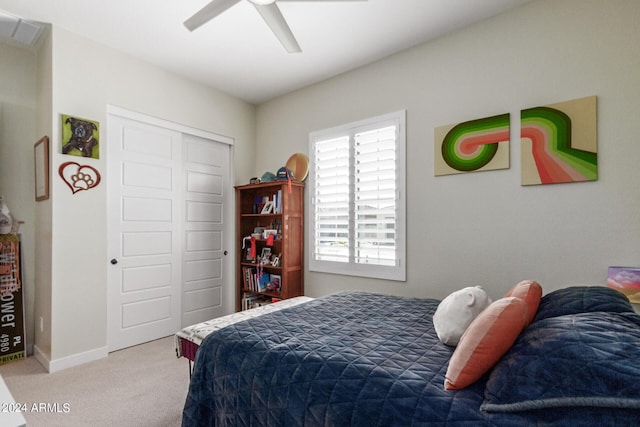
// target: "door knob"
[[114, 261], [225, 253]]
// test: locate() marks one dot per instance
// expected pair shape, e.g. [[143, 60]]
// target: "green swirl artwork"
[[559, 143], [475, 145]]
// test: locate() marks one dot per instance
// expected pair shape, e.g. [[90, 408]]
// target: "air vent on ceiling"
[[18, 30]]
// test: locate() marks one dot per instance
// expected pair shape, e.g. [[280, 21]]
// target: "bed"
[[188, 339], [366, 359]]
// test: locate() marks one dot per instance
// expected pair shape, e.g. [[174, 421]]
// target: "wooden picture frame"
[[41, 168], [276, 282]]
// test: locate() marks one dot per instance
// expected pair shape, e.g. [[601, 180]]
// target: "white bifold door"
[[168, 198]]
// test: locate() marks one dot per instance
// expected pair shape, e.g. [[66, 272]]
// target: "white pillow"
[[456, 312]]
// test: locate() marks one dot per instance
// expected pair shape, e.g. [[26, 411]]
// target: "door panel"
[[145, 217], [203, 212], [152, 177], [205, 171], [145, 209], [204, 240], [148, 141], [139, 313], [146, 277], [204, 183], [202, 298]]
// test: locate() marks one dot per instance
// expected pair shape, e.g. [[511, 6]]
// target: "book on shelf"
[[261, 282], [250, 300], [249, 278], [277, 198], [258, 204], [264, 280]]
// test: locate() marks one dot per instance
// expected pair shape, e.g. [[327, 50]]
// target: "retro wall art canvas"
[[475, 145], [625, 280], [559, 143], [80, 137]]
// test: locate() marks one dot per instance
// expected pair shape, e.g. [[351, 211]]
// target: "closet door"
[[145, 239], [169, 196], [205, 184]]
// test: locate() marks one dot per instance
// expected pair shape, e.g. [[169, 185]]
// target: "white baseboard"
[[40, 357], [70, 361]]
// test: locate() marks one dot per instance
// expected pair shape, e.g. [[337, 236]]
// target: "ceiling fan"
[[267, 8]]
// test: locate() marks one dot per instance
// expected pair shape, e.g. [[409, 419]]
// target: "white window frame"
[[396, 272]]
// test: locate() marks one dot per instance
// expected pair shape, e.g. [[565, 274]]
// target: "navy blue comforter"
[[363, 359]]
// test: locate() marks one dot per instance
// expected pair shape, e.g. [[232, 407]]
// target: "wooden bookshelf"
[[259, 280]]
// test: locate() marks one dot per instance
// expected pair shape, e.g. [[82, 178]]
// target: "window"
[[357, 183]]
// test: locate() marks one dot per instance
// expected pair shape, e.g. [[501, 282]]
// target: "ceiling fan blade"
[[274, 19], [207, 13]]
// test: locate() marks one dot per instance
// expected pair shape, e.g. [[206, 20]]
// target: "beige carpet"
[[145, 385]]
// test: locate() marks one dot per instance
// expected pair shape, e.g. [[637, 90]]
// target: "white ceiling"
[[237, 53]]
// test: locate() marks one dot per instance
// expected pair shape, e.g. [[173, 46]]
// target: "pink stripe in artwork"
[[470, 144], [550, 168]]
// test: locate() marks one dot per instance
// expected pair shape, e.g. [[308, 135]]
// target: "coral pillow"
[[485, 341], [530, 292]]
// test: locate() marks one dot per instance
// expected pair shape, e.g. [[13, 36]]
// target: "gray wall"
[[485, 228], [17, 136]]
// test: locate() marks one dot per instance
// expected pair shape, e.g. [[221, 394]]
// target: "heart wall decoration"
[[79, 177]]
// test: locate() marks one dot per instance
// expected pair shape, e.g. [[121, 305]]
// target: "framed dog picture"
[[80, 137]]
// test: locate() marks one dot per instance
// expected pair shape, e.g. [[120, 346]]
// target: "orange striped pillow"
[[485, 341], [530, 292]]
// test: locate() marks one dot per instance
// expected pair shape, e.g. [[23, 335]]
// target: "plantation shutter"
[[357, 215], [331, 232], [375, 197]]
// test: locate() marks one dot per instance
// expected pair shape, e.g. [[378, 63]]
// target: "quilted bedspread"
[[364, 359]]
